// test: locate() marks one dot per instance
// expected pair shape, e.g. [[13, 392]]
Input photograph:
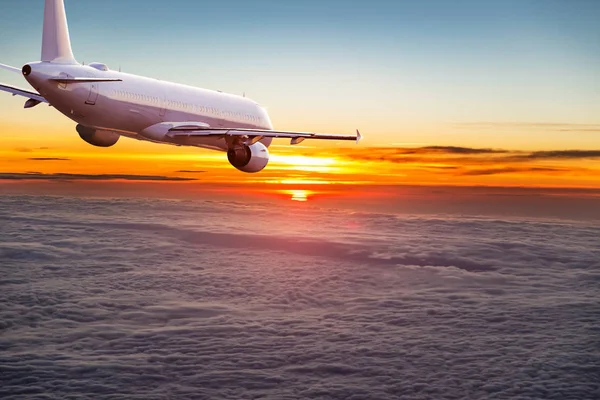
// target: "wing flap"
[[296, 137]]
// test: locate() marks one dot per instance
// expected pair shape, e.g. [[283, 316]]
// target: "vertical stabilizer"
[[56, 45]]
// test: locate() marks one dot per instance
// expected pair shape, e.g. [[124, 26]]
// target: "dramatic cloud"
[[181, 299], [564, 154], [431, 163], [93, 177], [458, 154], [416, 154], [510, 170], [458, 150]]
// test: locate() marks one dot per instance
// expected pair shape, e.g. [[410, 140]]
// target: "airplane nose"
[[26, 69]]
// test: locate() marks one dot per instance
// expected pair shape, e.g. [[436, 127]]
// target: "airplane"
[[108, 104]]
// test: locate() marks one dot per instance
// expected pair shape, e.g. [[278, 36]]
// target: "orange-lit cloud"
[[428, 165], [15, 176]]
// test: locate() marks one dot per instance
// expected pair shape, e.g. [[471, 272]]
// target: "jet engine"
[[97, 137], [248, 158]]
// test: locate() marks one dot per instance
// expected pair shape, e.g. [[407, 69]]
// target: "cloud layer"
[[462, 155], [466, 165], [17, 176], [426, 165], [181, 299]]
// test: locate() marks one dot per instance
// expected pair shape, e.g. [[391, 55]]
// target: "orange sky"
[[42, 141], [309, 163], [38, 159], [491, 93]]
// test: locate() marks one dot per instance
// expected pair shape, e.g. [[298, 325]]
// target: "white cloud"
[[157, 299]]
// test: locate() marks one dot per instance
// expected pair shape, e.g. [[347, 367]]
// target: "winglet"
[[358, 136]]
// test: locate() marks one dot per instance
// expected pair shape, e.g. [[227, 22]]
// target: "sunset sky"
[[465, 93]]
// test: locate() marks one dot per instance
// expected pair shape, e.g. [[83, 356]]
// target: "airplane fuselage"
[[134, 103]]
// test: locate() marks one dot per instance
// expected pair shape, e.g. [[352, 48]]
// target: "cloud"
[[559, 127], [563, 154], [189, 171], [186, 299], [452, 157], [442, 167], [415, 154], [48, 159], [512, 170], [93, 177], [458, 150], [29, 150]]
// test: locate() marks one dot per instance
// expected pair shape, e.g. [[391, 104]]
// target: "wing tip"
[[358, 136]]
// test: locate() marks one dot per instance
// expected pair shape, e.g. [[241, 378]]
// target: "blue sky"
[[399, 69]]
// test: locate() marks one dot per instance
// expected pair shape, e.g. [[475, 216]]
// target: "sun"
[[299, 195]]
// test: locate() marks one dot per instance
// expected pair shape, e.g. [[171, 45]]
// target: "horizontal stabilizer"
[[11, 69], [22, 92], [84, 80]]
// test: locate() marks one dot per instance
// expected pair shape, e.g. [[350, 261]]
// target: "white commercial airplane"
[[108, 104]]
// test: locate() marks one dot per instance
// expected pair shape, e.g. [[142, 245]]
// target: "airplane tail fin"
[[56, 44]]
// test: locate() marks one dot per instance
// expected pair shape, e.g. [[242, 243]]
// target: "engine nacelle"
[[252, 158], [97, 137]]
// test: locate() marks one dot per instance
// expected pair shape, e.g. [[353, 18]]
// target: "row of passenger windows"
[[200, 109], [122, 94], [187, 107]]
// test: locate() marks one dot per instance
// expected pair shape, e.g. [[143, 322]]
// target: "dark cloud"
[[509, 170], [154, 299], [564, 154], [48, 159], [98, 177], [428, 154], [459, 150], [460, 156]]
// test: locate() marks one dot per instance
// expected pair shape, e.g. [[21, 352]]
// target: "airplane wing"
[[36, 97], [254, 134]]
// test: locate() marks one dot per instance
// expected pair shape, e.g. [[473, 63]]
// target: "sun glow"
[[304, 163], [299, 195], [303, 160]]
